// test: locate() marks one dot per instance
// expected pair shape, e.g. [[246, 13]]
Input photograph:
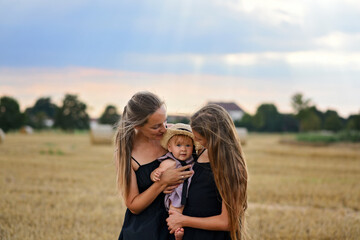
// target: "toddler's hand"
[[155, 175]]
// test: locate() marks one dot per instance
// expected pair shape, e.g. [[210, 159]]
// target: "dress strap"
[[202, 152], [135, 161], [195, 156]]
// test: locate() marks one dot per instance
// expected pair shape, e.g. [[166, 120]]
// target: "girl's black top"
[[203, 200]]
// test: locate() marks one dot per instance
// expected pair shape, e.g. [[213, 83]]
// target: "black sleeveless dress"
[[203, 200], [150, 224]]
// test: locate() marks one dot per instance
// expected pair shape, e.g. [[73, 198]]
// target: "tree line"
[[72, 114], [306, 118]]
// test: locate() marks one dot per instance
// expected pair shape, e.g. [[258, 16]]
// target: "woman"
[[138, 146], [218, 194]]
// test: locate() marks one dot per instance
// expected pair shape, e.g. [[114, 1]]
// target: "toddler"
[[180, 143]]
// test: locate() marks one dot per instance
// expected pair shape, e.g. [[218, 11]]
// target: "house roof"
[[229, 106]]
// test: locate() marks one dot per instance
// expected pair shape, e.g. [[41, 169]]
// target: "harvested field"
[[60, 186]]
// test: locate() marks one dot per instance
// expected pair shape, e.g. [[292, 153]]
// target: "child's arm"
[[164, 165], [155, 175], [216, 223], [136, 202]]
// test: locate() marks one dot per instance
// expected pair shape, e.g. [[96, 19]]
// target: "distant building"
[[232, 108]]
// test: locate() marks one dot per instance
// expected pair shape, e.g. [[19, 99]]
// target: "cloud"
[[99, 34], [257, 49], [183, 93], [342, 61], [339, 41], [269, 12], [304, 60]]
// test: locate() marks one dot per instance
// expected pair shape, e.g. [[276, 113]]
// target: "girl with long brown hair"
[[218, 196], [137, 147]]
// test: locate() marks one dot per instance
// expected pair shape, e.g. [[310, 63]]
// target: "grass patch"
[[329, 137], [51, 151]]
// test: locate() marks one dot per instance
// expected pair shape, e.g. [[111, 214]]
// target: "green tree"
[[267, 118], [42, 111], [309, 119], [289, 123], [185, 120], [109, 116], [353, 122], [332, 121], [299, 103], [72, 114], [10, 116], [246, 122]]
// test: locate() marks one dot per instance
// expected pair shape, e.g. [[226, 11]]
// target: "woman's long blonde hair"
[[136, 113], [227, 163]]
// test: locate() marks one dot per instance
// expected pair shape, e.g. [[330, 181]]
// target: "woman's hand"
[[170, 189], [175, 176], [174, 221]]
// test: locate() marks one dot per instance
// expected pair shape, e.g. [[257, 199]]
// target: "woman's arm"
[[216, 223], [136, 202]]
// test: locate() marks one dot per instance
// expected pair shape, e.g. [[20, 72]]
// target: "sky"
[[188, 52]]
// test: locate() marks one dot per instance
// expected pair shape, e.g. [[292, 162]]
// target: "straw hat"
[[178, 129]]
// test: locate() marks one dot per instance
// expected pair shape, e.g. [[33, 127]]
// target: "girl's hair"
[[227, 163], [136, 113]]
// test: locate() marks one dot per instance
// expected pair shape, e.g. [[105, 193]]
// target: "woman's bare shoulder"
[[147, 153]]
